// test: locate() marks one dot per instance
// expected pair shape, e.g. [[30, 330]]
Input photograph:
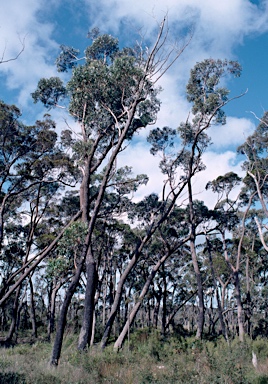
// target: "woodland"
[[83, 265]]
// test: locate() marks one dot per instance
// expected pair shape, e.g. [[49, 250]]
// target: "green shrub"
[[260, 347], [263, 379], [12, 378]]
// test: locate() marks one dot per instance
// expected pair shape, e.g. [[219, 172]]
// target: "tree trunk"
[[52, 308], [13, 324], [86, 329], [164, 303], [219, 306], [135, 309], [63, 315], [32, 309], [200, 293], [156, 310], [116, 302], [239, 306]]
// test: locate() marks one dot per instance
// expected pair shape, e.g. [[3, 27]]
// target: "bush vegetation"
[[146, 358]]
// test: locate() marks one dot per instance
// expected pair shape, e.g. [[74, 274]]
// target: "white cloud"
[[142, 162], [217, 24], [217, 164], [219, 27], [233, 134], [18, 21]]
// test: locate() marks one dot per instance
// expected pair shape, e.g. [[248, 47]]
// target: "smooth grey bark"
[[63, 315], [164, 302], [239, 306], [192, 220], [219, 306], [30, 265], [88, 318], [15, 310], [135, 309], [32, 309]]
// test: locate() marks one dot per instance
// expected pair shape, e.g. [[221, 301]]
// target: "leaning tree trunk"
[[13, 324], [88, 318], [135, 309], [117, 299], [32, 309], [133, 313], [239, 306], [63, 315]]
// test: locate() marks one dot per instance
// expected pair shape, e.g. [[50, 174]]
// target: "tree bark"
[[164, 303], [32, 309], [86, 329], [13, 324], [63, 315], [219, 306], [239, 306], [200, 293]]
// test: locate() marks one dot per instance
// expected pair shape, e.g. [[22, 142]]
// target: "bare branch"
[[261, 234], [3, 60]]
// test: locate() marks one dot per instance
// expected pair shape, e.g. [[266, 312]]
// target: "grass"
[[148, 359]]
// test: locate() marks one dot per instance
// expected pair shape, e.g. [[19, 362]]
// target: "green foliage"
[[104, 47], [203, 90], [12, 378], [161, 139], [67, 58], [69, 250], [260, 347], [151, 359], [49, 91], [102, 88]]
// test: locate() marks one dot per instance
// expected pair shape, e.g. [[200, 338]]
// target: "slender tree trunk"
[[86, 329], [156, 310], [32, 309], [63, 315], [116, 302], [249, 303], [222, 324], [135, 309], [13, 324], [51, 314], [239, 306], [171, 317], [164, 302], [52, 308], [200, 293]]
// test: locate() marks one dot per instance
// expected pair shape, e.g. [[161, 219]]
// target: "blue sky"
[[232, 29]]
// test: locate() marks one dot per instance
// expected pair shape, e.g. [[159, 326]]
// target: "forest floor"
[[147, 358]]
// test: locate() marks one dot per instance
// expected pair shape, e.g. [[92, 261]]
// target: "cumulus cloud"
[[218, 27], [20, 21], [217, 164], [232, 134], [142, 162]]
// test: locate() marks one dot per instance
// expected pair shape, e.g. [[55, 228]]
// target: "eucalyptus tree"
[[166, 242], [256, 167], [208, 98], [232, 217], [33, 167], [111, 95], [179, 165]]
